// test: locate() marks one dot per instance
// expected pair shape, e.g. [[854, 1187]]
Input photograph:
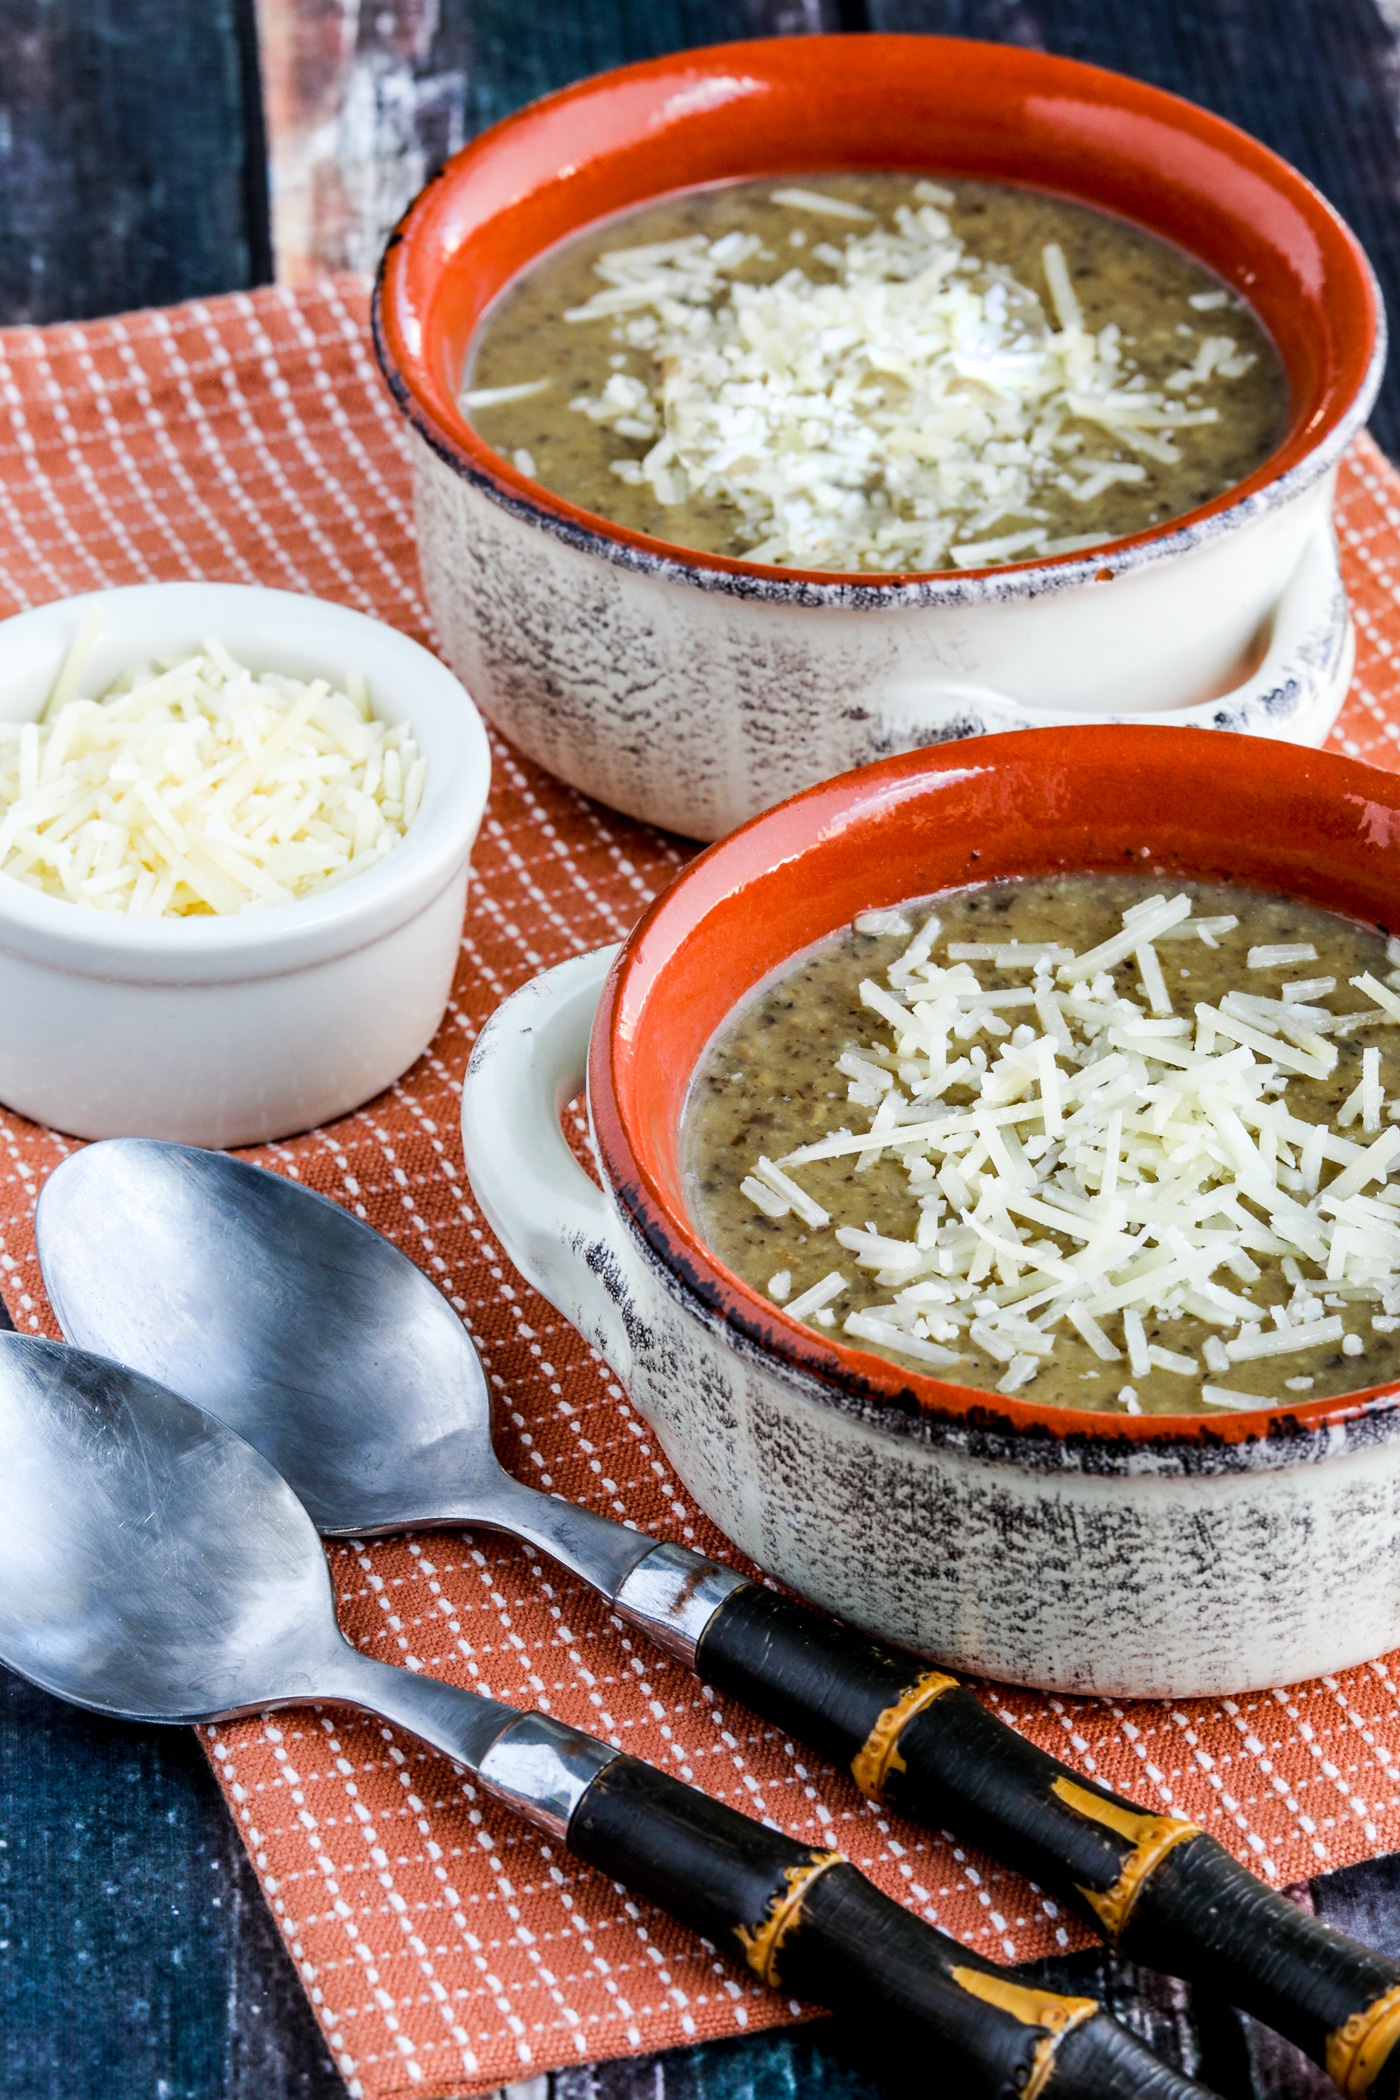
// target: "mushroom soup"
[[1102, 1141], [876, 371]]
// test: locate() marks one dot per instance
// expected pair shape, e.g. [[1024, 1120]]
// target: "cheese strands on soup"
[[876, 372], [1093, 1140]]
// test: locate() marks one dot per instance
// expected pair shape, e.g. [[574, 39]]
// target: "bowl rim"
[[242, 945], [423, 239], [846, 1376]]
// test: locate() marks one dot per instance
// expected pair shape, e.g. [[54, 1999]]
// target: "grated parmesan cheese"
[[1112, 1163], [903, 417], [196, 787]]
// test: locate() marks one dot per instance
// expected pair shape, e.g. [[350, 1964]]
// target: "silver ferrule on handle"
[[671, 1597], [541, 1768]]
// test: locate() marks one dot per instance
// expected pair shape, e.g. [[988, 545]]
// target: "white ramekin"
[[237, 1030]]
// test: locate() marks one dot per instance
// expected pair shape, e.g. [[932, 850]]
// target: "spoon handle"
[[809, 1924], [1156, 1888], [805, 1920]]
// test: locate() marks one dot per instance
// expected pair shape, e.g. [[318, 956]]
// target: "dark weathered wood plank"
[[132, 164], [137, 1955], [363, 104], [518, 51], [1364, 1901]]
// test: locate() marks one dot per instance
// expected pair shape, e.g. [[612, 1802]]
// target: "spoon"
[[154, 1566], [305, 1330]]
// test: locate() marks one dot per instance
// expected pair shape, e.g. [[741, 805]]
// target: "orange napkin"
[[444, 1946]]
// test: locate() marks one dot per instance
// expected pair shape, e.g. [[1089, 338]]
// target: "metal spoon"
[[154, 1566], [315, 1338]]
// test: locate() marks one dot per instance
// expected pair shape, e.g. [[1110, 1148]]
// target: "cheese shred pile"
[[198, 787], [1114, 1162], [903, 415]]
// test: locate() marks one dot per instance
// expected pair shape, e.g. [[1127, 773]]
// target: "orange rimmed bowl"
[[1145, 1556], [693, 690]]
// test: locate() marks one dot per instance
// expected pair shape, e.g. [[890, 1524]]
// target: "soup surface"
[[1150, 1179], [876, 371]]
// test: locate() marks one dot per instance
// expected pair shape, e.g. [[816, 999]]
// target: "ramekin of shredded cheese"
[[262, 807], [194, 785]]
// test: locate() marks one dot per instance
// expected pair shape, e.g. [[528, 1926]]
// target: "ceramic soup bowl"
[[693, 690], [1153, 1556]]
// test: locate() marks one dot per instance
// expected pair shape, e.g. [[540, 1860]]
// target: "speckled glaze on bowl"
[[1147, 1556], [693, 690]]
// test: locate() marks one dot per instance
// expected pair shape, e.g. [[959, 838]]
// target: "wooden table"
[[137, 1957]]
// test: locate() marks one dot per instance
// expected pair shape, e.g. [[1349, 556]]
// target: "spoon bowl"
[[154, 1566], [274, 1306], [307, 1332], [202, 1612]]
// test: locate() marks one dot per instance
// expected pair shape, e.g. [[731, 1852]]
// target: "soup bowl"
[[692, 689], [1152, 1556]]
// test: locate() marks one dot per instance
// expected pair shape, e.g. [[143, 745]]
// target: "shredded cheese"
[[196, 787], [903, 414], [1113, 1164]]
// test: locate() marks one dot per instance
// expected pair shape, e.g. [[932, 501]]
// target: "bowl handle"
[[1294, 692], [554, 1223]]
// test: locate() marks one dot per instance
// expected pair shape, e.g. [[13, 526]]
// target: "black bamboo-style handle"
[[1158, 1889], [808, 1923]]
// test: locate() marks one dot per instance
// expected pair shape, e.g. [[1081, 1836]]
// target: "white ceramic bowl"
[[1151, 1556], [694, 690], [237, 1030]]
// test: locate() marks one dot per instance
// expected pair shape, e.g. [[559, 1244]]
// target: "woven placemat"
[[444, 1946]]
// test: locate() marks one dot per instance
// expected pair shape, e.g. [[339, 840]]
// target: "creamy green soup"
[[1156, 1180], [876, 371]]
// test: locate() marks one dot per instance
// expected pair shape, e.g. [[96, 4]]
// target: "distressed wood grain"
[[132, 162], [137, 1953], [365, 100]]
